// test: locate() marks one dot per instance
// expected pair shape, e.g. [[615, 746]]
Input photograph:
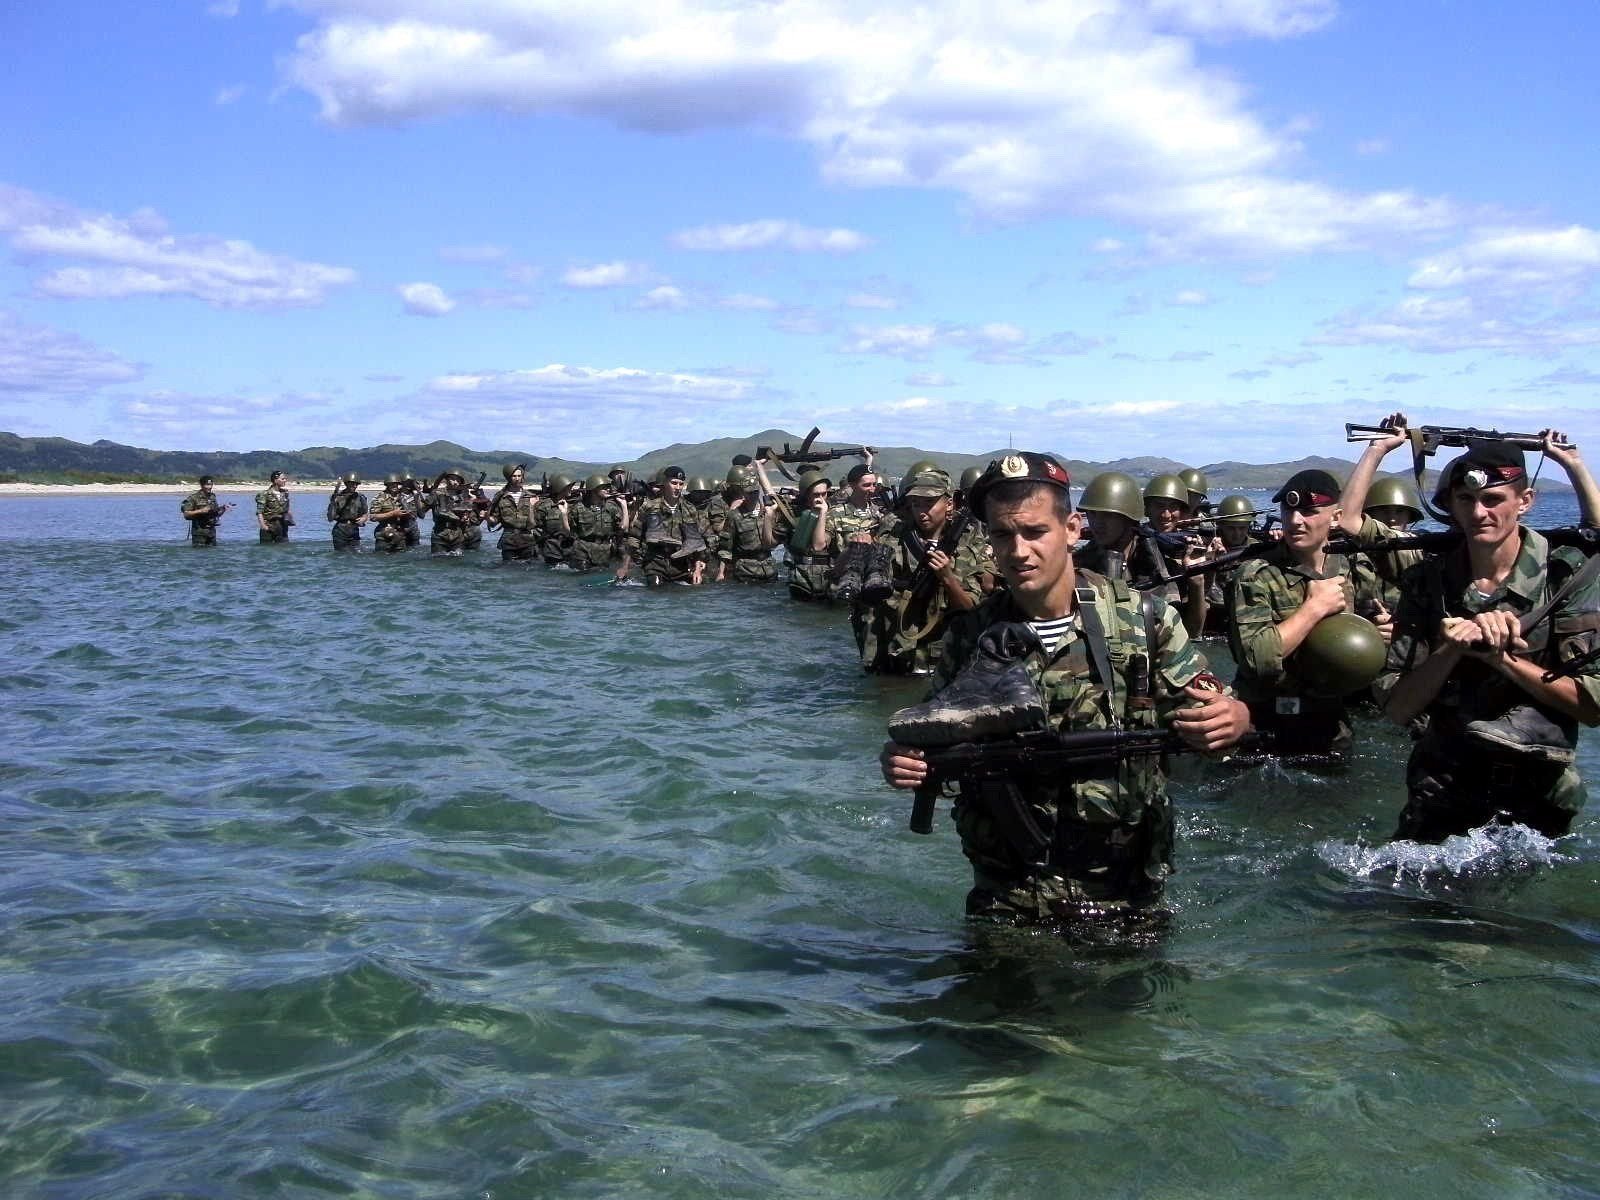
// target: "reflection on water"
[[371, 877]]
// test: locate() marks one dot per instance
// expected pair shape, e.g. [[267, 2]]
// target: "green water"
[[332, 876]]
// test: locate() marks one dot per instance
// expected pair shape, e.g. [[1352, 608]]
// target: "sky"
[[1211, 231]]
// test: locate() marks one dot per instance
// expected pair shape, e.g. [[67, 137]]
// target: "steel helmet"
[[1392, 491], [698, 483], [810, 480], [509, 468], [1195, 480], [350, 477], [741, 477], [595, 482], [1235, 510], [1167, 487], [558, 483], [393, 477], [969, 477], [921, 465], [1113, 492], [1343, 654]]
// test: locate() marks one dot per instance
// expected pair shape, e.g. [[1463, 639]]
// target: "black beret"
[[1310, 488], [1485, 464], [1019, 466]]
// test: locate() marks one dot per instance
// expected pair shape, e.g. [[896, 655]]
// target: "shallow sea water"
[[358, 876]]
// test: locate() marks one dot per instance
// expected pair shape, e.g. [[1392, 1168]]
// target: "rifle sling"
[[1094, 632]]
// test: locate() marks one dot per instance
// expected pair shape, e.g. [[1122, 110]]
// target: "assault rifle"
[[1425, 439], [1040, 753], [1437, 541], [805, 455], [1572, 666]]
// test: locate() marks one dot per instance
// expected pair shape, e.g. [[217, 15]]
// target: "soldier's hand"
[[1215, 723], [1460, 633], [1501, 630], [902, 766], [1384, 620], [1555, 445], [940, 563], [863, 537], [1396, 423], [1324, 597]]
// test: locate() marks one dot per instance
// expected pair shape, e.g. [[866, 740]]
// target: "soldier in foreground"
[[1477, 634], [746, 539], [273, 514], [1087, 654], [453, 513], [390, 514], [202, 510], [513, 511], [347, 509], [657, 535], [551, 529], [597, 523]]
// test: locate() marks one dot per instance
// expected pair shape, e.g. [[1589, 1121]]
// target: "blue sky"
[[1208, 230]]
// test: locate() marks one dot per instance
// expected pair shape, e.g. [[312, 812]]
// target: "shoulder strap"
[[1094, 632]]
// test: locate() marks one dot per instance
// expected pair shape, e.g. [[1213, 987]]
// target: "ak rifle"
[[1425, 439], [1037, 753], [806, 456]]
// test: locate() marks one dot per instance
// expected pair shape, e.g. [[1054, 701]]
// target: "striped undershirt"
[[1055, 633]]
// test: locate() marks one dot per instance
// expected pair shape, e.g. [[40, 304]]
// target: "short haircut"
[[856, 472], [1018, 491], [275, 475]]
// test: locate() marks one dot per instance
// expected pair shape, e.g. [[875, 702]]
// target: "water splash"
[[1488, 853]]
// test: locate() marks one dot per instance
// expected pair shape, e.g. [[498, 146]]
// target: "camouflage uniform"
[[1111, 833], [513, 511], [550, 530], [272, 506], [714, 521], [202, 530], [345, 508], [595, 529], [655, 532], [1267, 591], [1456, 782], [472, 527], [390, 512], [901, 635], [846, 520], [416, 506], [1386, 566], [808, 571], [741, 543], [452, 512]]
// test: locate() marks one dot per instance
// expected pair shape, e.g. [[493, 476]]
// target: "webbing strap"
[[1094, 632]]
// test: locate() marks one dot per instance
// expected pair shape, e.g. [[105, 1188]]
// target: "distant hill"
[[59, 460]]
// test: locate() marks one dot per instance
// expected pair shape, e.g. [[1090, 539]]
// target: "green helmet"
[[393, 478], [1235, 510], [1167, 487], [350, 477], [1343, 654], [558, 483], [697, 483], [509, 468], [1195, 480], [1391, 491], [810, 480], [921, 465], [969, 477], [1113, 492], [741, 477], [596, 482]]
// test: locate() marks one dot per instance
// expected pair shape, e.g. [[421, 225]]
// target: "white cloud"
[[36, 360], [871, 300], [664, 297], [228, 95], [1442, 325], [1190, 298], [1249, 376], [1300, 358], [1098, 109], [425, 299], [606, 275], [1514, 259], [771, 235], [935, 379], [223, 8], [116, 257], [1367, 147], [1107, 245], [998, 343], [747, 302]]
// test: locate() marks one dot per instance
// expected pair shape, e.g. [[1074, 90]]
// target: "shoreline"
[[161, 489]]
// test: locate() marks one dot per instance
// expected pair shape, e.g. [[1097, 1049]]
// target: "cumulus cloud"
[[425, 299], [666, 296], [1509, 260], [245, 419], [1190, 298], [771, 235], [36, 360], [228, 95], [606, 275], [1445, 324], [1403, 377], [1025, 109], [115, 257], [996, 343]]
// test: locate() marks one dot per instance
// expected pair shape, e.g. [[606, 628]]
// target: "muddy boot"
[[848, 572], [877, 583], [993, 695], [1524, 730]]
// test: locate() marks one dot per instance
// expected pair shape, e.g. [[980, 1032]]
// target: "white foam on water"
[[1488, 852]]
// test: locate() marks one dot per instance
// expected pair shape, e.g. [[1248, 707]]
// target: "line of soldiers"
[[1057, 697]]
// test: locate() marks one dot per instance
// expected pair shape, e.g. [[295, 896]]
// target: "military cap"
[[1310, 488], [453, 472], [667, 473], [1391, 491], [1017, 466], [1114, 492], [856, 472], [1485, 464], [1235, 510], [698, 485], [742, 460], [205, 479], [930, 481]]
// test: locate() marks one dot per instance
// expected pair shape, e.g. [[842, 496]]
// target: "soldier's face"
[[1109, 529], [673, 489], [1164, 515], [1234, 534], [816, 496], [516, 477], [1307, 528], [1391, 515], [1033, 548], [1490, 515], [865, 487], [929, 512]]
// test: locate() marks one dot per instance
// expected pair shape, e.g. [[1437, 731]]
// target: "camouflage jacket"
[[1126, 805], [452, 508], [902, 634], [845, 520], [1440, 586], [713, 516], [550, 528], [346, 505], [513, 510], [388, 506], [196, 501], [1266, 592], [656, 533], [595, 532], [1387, 566], [273, 504]]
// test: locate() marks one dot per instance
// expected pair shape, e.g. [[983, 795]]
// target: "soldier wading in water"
[[1096, 656]]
